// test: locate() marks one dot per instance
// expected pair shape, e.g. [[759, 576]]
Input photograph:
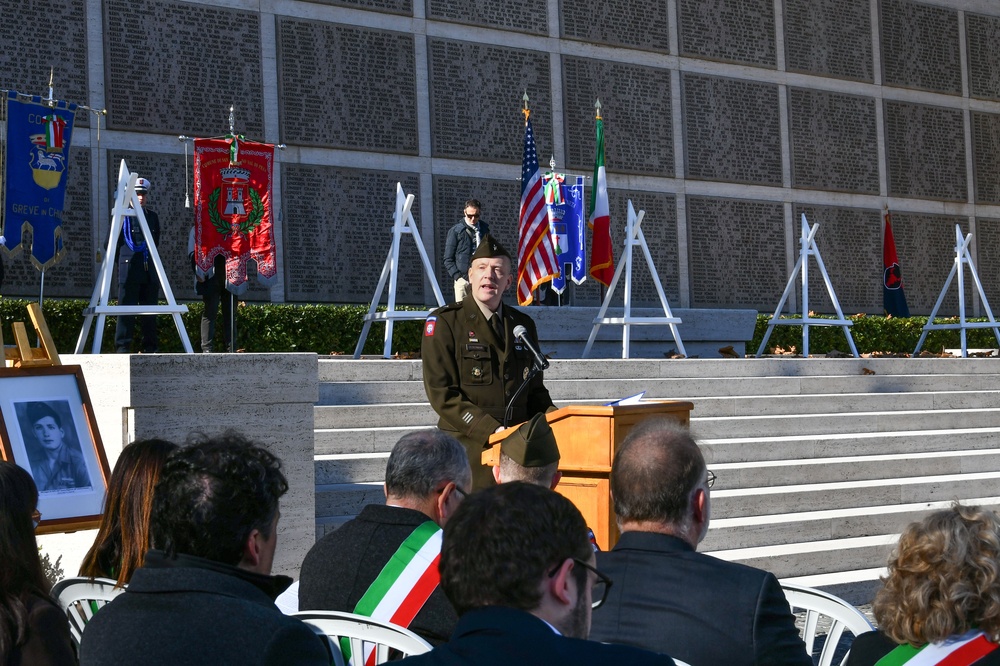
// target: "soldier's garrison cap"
[[490, 248], [533, 444]]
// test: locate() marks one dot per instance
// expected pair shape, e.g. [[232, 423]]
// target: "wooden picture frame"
[[48, 427]]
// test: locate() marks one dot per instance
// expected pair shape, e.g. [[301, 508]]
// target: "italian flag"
[[602, 256], [404, 584], [958, 651]]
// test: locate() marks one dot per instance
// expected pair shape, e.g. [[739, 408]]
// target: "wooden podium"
[[587, 437]]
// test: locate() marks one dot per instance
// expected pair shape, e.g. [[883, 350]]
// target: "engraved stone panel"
[[834, 141], [476, 92], [926, 248], [336, 246], [404, 7], [36, 35], [530, 17], [850, 242], [731, 30], [831, 37], [638, 134], [987, 248], [983, 35], [347, 87], [74, 276], [737, 253], [985, 151], [925, 151], [170, 68], [920, 46], [633, 23], [732, 130]]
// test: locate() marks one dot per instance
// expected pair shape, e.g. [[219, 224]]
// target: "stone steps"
[[819, 464]]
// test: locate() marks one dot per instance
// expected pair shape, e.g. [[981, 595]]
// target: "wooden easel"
[[22, 354]]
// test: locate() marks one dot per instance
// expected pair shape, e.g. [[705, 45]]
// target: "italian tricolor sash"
[[961, 651], [405, 583]]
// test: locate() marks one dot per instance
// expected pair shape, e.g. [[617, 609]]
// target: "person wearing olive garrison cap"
[[473, 365]]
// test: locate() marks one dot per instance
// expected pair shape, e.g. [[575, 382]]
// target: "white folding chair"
[[81, 597], [817, 605], [359, 629]]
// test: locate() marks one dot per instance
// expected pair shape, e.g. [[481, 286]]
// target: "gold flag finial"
[[597, 105], [526, 111]]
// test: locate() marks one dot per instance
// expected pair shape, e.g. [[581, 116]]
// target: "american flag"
[[536, 259]]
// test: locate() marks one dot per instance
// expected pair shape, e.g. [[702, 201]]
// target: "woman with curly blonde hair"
[[940, 602]]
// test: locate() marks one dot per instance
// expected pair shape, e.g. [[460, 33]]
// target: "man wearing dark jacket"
[[353, 569], [461, 242], [668, 597], [204, 595], [137, 280]]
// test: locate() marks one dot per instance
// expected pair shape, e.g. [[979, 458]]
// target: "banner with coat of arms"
[[232, 193], [35, 175], [566, 223]]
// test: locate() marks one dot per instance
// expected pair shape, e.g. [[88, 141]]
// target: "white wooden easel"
[[962, 257], [634, 237], [403, 223], [127, 203], [807, 246]]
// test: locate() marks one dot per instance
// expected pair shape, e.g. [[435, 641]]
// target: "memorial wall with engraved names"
[[724, 122]]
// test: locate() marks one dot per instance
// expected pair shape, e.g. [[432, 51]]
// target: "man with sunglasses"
[[670, 597], [462, 241], [518, 567]]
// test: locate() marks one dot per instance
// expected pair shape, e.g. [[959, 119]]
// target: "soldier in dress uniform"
[[473, 365]]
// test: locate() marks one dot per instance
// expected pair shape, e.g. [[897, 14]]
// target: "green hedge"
[[871, 334], [323, 329]]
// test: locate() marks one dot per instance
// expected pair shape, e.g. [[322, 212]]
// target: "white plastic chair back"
[[817, 605], [359, 629], [81, 597]]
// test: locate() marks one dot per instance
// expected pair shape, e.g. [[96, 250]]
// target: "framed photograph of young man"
[[47, 427]]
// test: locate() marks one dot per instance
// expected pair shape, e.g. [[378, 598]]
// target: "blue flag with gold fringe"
[[35, 175], [567, 223]]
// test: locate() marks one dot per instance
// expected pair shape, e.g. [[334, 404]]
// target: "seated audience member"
[[33, 629], [203, 595], [123, 537], [518, 567], [940, 601], [349, 569], [667, 596], [530, 454]]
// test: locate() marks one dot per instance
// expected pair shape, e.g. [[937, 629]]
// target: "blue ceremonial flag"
[[37, 157], [567, 222]]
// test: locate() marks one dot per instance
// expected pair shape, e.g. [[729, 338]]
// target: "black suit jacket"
[[504, 637], [669, 598], [195, 612], [340, 567], [868, 648]]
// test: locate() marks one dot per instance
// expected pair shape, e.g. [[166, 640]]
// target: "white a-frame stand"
[[634, 237], [808, 247], [962, 256], [403, 223], [127, 203]]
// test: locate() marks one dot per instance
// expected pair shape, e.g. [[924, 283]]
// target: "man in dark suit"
[[518, 567], [472, 364], [204, 596], [351, 568], [138, 283], [667, 596]]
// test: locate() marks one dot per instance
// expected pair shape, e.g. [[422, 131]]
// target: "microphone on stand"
[[521, 333]]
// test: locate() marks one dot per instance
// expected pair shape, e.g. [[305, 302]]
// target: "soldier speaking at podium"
[[474, 362]]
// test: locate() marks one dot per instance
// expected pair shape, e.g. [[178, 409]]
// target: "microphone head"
[[520, 331]]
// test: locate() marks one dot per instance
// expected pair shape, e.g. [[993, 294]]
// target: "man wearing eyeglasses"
[[518, 567], [669, 597], [462, 241], [358, 568]]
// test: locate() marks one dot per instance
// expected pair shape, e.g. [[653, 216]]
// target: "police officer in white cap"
[[137, 280]]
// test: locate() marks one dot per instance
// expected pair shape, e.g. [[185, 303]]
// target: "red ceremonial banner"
[[232, 215]]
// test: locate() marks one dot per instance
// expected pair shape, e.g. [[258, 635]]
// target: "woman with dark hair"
[[123, 537], [940, 602], [33, 629]]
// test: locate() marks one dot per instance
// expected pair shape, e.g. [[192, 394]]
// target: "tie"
[[496, 323]]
